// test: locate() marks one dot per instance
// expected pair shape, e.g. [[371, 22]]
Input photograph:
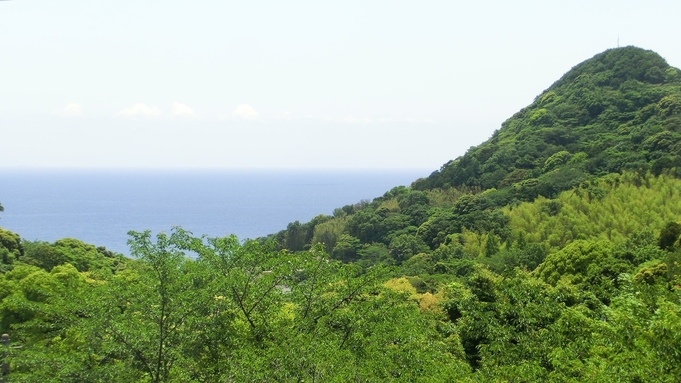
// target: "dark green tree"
[[669, 235], [491, 245]]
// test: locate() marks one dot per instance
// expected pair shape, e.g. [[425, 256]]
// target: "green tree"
[[669, 235], [295, 236], [43, 255], [491, 245], [405, 246], [347, 248], [51, 315], [329, 232], [574, 259], [11, 248], [148, 310]]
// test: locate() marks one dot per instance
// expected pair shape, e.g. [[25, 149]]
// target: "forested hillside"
[[550, 252], [620, 110]]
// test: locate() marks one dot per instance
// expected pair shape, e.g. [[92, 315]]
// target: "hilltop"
[[620, 110]]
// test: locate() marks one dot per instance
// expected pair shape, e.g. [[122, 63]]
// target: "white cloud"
[[384, 120], [72, 110], [354, 120], [246, 112], [180, 109], [285, 116], [140, 109]]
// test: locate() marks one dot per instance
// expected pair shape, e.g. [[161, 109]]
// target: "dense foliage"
[[620, 110], [551, 252], [231, 312]]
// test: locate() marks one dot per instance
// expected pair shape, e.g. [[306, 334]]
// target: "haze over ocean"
[[101, 206]]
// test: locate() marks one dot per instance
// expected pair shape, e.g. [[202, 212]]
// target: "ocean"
[[100, 207]]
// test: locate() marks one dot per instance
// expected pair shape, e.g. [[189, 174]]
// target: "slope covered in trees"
[[619, 110], [549, 253]]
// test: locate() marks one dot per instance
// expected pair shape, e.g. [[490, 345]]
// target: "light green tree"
[[148, 309]]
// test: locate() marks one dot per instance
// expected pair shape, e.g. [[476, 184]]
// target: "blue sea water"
[[100, 207]]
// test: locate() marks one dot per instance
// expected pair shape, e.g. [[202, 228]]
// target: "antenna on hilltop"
[[618, 41]]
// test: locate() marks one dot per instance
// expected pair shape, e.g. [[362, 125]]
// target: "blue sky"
[[295, 84]]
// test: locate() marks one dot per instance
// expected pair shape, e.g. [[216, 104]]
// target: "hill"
[[618, 111], [549, 253]]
